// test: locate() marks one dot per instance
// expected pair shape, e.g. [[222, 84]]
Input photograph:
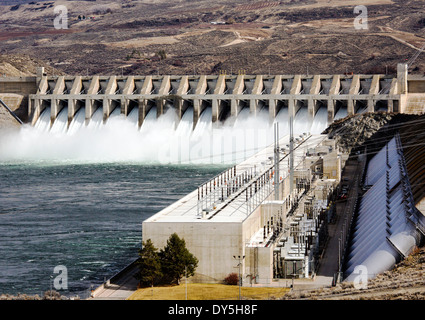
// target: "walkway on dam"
[[124, 286]]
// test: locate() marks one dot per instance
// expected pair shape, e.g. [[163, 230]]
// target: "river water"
[[85, 217]]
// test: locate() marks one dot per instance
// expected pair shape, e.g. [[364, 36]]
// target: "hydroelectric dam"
[[225, 95], [270, 211]]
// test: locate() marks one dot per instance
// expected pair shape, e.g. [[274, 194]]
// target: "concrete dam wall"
[[225, 95]]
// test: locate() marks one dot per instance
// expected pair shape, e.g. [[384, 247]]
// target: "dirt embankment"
[[405, 282], [21, 65]]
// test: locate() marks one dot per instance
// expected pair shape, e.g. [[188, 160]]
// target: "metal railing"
[[243, 192], [219, 188]]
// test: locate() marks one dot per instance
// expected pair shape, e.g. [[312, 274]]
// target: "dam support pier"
[[226, 95]]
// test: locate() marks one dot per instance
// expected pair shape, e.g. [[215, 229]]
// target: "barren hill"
[[290, 36]]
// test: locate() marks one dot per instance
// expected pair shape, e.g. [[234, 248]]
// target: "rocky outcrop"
[[48, 295], [353, 131]]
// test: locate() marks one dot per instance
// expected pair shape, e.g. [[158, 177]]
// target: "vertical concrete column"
[[256, 90], [291, 107], [142, 111], [128, 90], [390, 106], [296, 85], [40, 75], [276, 90], [350, 106], [393, 92], [163, 91], [402, 72], [54, 105], [238, 89], [333, 92], [219, 89], [36, 111], [312, 102], [72, 102], [181, 90], [111, 88], [92, 91], [196, 111], [353, 91], [374, 90], [370, 105], [201, 88], [184, 85], [30, 107], [43, 86], [53, 110], [374, 87], [147, 86], [294, 104], [146, 89]]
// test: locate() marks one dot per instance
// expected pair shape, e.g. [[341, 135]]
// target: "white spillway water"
[[283, 120], [341, 113], [320, 120], [133, 117], [96, 119], [162, 139], [61, 123], [43, 122], [115, 114], [77, 122], [301, 121], [149, 121]]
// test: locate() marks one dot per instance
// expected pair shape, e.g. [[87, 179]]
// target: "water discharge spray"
[[161, 140]]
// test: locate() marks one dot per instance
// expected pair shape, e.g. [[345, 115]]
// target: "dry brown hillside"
[[180, 37], [12, 65]]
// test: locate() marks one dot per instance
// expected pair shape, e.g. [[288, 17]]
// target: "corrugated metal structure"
[[413, 141], [388, 225]]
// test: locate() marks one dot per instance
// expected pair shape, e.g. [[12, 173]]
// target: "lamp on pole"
[[239, 258]]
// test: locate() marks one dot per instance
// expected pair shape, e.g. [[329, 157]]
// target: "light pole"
[[239, 258]]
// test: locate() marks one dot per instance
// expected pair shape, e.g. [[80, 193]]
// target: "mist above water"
[[163, 140]]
